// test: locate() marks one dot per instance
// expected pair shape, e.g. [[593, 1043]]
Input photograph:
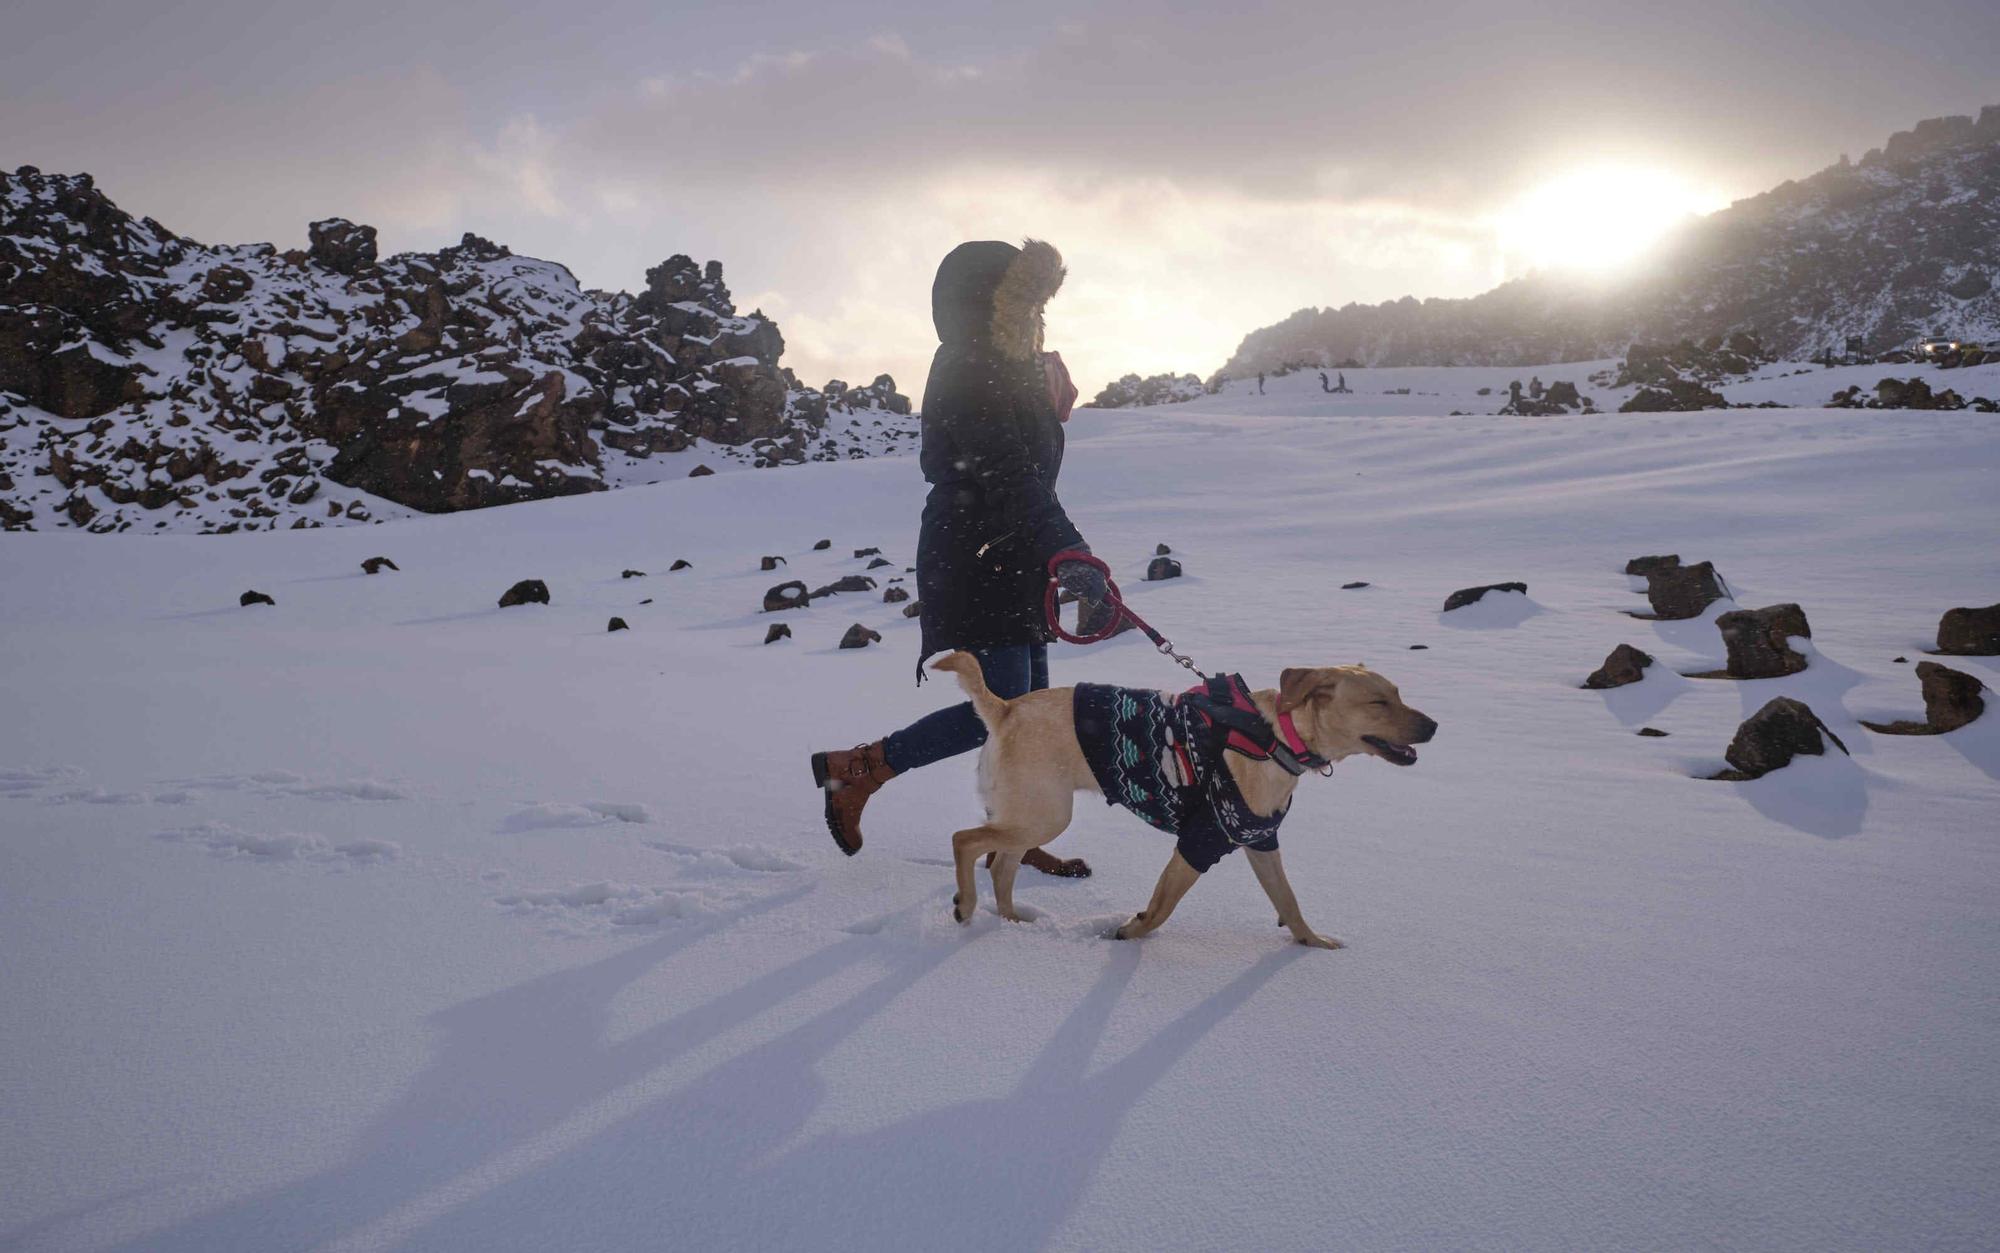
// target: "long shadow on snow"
[[715, 1164], [508, 1066]]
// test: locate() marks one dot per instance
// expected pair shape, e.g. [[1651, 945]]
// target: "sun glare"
[[1598, 219]]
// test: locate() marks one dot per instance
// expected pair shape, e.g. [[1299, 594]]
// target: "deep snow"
[[387, 918]]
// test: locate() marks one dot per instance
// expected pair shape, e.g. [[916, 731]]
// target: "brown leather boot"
[[850, 777], [1048, 863]]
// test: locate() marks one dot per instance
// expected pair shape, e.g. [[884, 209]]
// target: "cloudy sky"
[[1206, 169]]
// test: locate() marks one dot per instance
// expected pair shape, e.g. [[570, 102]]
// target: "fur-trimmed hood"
[[988, 291]]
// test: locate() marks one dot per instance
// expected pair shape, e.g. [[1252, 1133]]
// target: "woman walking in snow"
[[993, 414]]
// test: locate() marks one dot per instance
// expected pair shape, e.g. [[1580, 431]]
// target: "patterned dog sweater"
[[1158, 757]]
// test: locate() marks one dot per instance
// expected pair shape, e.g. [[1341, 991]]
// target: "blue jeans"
[[1011, 670]]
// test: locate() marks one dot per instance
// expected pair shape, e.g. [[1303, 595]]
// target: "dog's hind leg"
[[967, 847], [1005, 863]]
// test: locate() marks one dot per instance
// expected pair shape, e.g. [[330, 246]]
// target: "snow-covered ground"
[[384, 918]]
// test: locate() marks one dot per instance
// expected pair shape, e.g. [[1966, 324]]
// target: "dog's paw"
[[1312, 939], [959, 913]]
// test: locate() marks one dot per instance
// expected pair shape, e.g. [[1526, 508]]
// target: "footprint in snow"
[[223, 840], [734, 860], [550, 816]]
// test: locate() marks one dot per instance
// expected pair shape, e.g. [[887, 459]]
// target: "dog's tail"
[[992, 710]]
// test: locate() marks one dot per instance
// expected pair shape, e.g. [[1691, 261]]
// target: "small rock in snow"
[[1469, 595], [769, 564], [1644, 566], [680, 563], [777, 631], [527, 591], [895, 596], [859, 636], [792, 595], [1653, 733], [1626, 664], [700, 472], [1970, 632], [1771, 737], [879, 562], [375, 565], [823, 545], [254, 598], [1162, 568], [632, 574], [1352, 587], [616, 624]]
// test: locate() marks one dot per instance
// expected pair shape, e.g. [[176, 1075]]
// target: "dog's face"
[[1344, 710]]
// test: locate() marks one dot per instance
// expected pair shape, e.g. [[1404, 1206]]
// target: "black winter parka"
[[992, 448]]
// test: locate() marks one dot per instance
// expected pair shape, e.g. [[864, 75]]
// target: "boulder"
[[792, 595], [1758, 641], [1418, 648], [859, 553], [1677, 592], [915, 609], [632, 574], [616, 624], [769, 564], [526, 592], [1625, 664], [859, 636], [254, 598], [846, 583], [1162, 568], [342, 246], [1951, 699], [880, 562], [823, 545], [1652, 733], [375, 565], [777, 631], [700, 472], [680, 563], [1468, 595], [1970, 632], [1771, 737], [1644, 566], [895, 596], [1351, 587], [1563, 392], [1161, 550]]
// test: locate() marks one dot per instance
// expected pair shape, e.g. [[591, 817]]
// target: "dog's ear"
[[1295, 687]]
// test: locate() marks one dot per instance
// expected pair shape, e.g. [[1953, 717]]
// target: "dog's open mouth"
[[1396, 754]]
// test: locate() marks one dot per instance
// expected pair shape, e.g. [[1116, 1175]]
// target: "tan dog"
[[1033, 766]]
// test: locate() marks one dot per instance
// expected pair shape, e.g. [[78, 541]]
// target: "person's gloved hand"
[[1083, 580]]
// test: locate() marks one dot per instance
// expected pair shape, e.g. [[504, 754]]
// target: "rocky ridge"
[[151, 382]]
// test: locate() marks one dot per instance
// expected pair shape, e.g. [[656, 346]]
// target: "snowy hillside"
[[384, 918], [150, 382], [1900, 244]]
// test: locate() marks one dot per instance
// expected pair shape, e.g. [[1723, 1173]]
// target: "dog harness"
[[1160, 756]]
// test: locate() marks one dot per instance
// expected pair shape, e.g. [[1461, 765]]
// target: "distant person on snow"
[[1343, 382], [1260, 382], [993, 414], [1324, 385], [1535, 387]]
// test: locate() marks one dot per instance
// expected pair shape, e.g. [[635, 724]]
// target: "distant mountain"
[[1902, 243], [150, 381]]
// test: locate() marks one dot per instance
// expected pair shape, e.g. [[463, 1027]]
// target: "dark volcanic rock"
[[1418, 648], [1680, 396], [1951, 699], [790, 595], [1162, 568], [632, 574], [1652, 733], [859, 553], [915, 609], [1161, 550], [1757, 641], [777, 631], [895, 596], [1468, 595], [254, 598], [823, 545], [700, 472], [1644, 566], [680, 563], [1677, 592], [769, 564], [616, 624], [526, 592], [1771, 737], [1350, 587], [859, 636], [375, 565], [1626, 664], [342, 246], [880, 562], [846, 583], [1970, 632]]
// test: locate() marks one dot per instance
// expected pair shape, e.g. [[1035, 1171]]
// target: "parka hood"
[[989, 291]]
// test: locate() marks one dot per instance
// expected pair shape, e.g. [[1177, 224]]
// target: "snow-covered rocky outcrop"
[[1902, 243], [1132, 391], [149, 381]]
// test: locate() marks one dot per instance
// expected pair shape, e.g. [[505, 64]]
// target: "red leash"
[[1121, 612]]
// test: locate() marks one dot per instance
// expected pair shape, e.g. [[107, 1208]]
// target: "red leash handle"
[[1120, 612], [1051, 606]]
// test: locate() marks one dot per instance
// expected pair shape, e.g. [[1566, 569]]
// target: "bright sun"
[[1597, 219]]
